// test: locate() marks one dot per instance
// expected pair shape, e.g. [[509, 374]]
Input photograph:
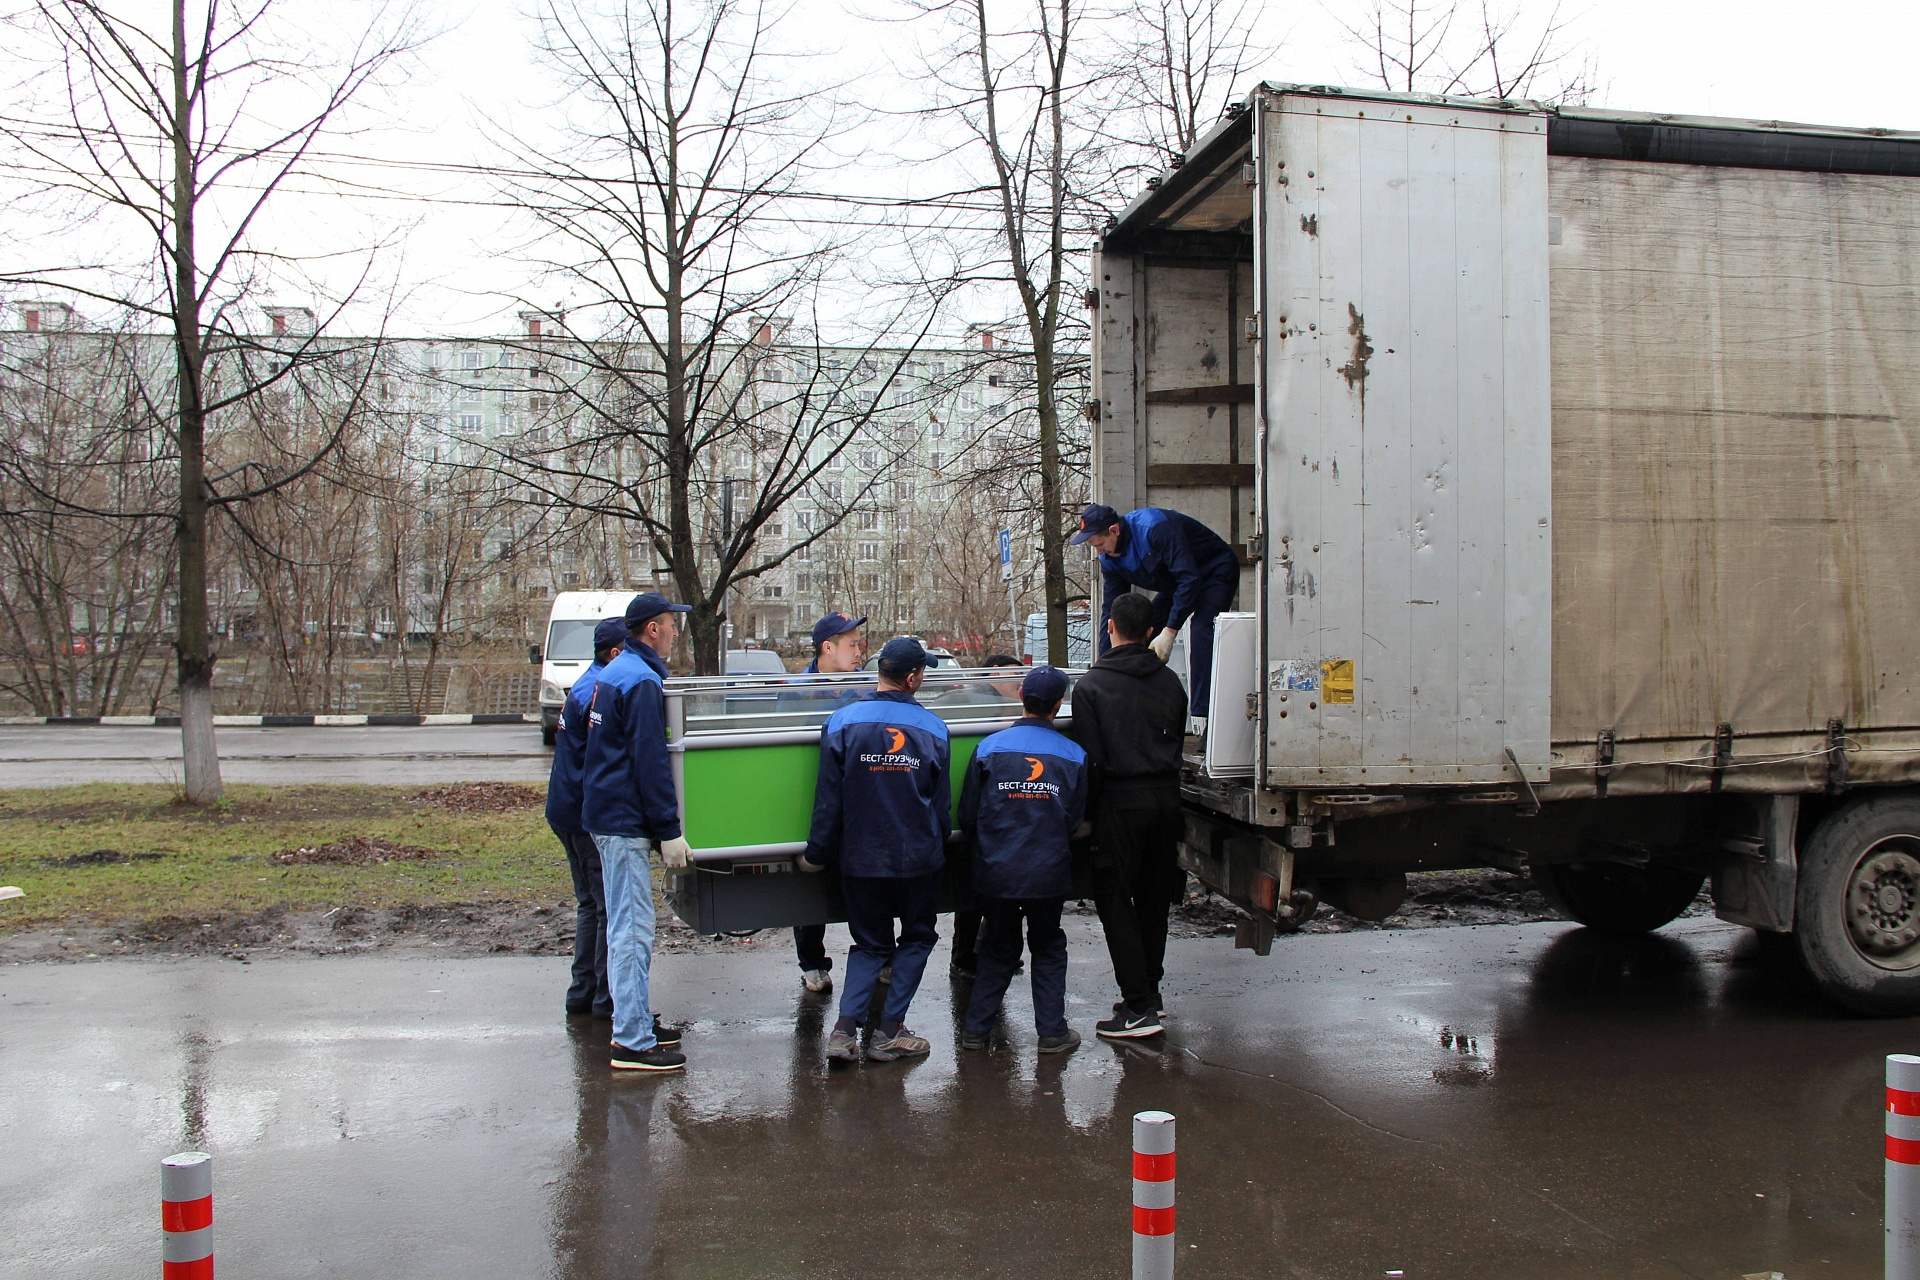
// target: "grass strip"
[[108, 851]]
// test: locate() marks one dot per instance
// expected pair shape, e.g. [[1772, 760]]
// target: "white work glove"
[[675, 853], [1162, 645], [800, 863], [1197, 726]]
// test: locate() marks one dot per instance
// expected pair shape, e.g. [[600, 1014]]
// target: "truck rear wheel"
[[1857, 905], [1618, 897]]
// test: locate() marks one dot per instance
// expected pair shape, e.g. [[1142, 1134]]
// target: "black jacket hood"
[[1135, 660]]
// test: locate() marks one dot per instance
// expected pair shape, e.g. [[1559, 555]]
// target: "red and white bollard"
[[186, 1216], [1903, 1167], [1153, 1196]]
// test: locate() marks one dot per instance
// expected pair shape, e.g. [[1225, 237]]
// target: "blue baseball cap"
[[1097, 518], [902, 655], [610, 632], [832, 625], [1044, 684], [651, 604]]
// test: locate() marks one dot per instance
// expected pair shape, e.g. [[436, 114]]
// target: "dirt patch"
[[483, 797], [353, 851], [457, 929], [101, 858]]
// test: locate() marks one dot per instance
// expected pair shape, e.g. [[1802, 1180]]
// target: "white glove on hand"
[[1162, 645], [675, 853], [800, 863]]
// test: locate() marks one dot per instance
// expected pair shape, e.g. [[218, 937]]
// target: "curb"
[[281, 722]]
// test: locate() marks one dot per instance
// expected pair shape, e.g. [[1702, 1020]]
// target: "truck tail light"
[[1264, 891]]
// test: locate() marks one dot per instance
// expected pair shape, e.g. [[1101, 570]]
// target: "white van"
[[569, 647]]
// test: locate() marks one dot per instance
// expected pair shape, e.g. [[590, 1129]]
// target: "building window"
[[935, 459], [771, 592], [866, 520], [469, 422], [903, 490], [571, 578], [906, 582], [870, 584], [868, 459], [869, 551], [939, 369], [803, 521], [470, 393], [994, 380], [833, 490], [838, 462], [803, 552], [802, 583], [469, 359]]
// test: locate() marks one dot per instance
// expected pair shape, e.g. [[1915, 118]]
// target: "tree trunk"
[[193, 638]]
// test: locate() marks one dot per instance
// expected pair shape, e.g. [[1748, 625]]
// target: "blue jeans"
[[629, 879], [1216, 596], [873, 904]]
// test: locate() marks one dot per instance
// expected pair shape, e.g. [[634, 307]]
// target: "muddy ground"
[[1434, 900]]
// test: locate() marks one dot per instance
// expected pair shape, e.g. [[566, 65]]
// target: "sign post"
[[1006, 576]]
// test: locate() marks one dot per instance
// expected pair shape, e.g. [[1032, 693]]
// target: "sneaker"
[[665, 1036], [818, 981], [1060, 1044], [654, 1059], [957, 972], [901, 1044], [1128, 1025], [579, 1010], [973, 1040], [844, 1046]]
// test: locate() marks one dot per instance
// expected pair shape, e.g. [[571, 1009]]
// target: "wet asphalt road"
[[57, 755], [1502, 1101]]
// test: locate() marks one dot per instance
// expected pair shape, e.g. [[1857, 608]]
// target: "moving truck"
[[1571, 459]]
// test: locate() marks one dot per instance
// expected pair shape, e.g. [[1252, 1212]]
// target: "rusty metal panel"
[[1736, 391], [1405, 392]]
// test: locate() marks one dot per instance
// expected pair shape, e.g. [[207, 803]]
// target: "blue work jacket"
[[1168, 553], [570, 754], [1025, 793], [627, 782], [816, 695], [881, 805]]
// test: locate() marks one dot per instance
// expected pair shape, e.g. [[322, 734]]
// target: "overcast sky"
[[1841, 62]]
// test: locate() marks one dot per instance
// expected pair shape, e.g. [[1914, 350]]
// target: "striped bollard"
[[1903, 1167], [186, 1216], [1153, 1196]]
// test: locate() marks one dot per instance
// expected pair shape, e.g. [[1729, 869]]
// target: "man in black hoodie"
[[1130, 717]]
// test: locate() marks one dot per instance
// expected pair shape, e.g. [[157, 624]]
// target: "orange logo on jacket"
[[1038, 769], [896, 740]]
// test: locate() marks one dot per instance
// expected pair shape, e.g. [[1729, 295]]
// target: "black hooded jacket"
[[1130, 717]]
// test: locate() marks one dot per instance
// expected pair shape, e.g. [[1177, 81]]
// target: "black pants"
[[966, 940], [1137, 877], [810, 945], [1000, 952], [588, 992]]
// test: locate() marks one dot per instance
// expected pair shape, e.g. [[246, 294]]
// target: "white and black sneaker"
[[1127, 1024], [653, 1059]]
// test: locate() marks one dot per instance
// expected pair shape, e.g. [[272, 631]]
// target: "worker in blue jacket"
[[588, 994], [1025, 794], [1191, 571], [880, 812], [628, 804], [837, 650]]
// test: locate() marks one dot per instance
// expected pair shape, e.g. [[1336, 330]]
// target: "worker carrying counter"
[[1191, 571]]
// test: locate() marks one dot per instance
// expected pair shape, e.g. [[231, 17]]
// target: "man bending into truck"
[[1026, 792], [880, 811], [1128, 713], [1191, 571]]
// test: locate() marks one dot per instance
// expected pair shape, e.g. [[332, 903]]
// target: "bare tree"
[[175, 138], [80, 592], [1172, 67], [679, 404], [1019, 93], [1483, 50]]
